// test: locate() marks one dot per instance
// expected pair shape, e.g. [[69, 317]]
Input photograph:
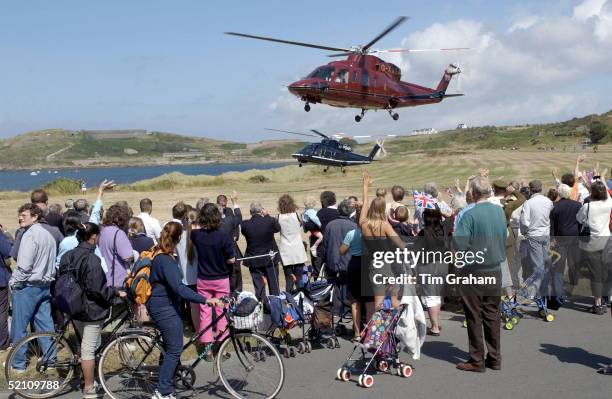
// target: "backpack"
[[69, 295], [138, 283]]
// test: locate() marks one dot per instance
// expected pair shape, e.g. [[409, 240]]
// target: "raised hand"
[[234, 197], [106, 185], [367, 179]]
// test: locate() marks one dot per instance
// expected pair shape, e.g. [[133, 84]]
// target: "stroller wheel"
[[382, 366], [301, 348], [336, 343], [343, 374], [515, 319], [329, 344], [308, 347], [292, 351], [340, 330], [366, 380], [404, 370], [464, 323], [509, 325], [542, 313], [550, 317]]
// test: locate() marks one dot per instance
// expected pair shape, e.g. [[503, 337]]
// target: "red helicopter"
[[363, 80]]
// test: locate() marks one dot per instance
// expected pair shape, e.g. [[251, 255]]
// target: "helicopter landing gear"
[[343, 170], [358, 118], [307, 107], [394, 115], [300, 165], [325, 169]]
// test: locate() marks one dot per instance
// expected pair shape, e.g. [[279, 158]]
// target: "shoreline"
[[144, 164]]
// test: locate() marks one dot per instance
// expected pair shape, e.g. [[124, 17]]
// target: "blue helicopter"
[[331, 151]]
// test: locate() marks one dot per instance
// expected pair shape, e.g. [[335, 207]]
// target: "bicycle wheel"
[[129, 366], [250, 366], [40, 365]]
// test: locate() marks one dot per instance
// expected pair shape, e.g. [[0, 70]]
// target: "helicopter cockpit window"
[[322, 73], [342, 76]]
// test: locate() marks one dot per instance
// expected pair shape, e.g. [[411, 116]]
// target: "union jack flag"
[[424, 201]]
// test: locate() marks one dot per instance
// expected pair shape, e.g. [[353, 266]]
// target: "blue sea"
[[22, 180]]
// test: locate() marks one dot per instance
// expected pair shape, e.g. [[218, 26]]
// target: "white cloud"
[[533, 71]]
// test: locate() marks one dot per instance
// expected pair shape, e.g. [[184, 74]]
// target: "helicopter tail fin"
[[449, 72], [374, 152]]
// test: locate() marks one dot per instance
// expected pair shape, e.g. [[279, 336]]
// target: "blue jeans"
[[31, 305], [169, 323], [537, 251]]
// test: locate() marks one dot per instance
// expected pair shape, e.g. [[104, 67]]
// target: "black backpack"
[[69, 295]]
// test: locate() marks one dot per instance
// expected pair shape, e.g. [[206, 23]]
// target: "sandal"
[[432, 333]]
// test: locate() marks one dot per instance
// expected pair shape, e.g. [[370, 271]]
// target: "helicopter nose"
[[299, 88]]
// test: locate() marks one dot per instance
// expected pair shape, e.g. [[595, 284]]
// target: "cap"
[[500, 184]]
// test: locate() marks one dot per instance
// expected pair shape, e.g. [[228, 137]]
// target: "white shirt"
[[291, 248], [599, 223], [152, 226], [188, 269], [496, 200], [535, 217]]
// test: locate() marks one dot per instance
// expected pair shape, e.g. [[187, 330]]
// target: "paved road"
[[540, 360]]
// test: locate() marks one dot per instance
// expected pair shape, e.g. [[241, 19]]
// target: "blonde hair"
[[377, 214], [310, 202], [135, 226]]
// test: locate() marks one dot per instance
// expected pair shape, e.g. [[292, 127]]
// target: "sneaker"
[[158, 395], [95, 392], [16, 371]]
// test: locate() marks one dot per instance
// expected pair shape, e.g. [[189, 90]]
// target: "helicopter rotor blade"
[[384, 33], [271, 39], [319, 133], [286, 131], [345, 54], [419, 50]]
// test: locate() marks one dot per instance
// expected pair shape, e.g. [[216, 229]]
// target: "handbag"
[[585, 231]]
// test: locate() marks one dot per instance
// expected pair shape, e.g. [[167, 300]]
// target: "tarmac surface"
[[541, 359]]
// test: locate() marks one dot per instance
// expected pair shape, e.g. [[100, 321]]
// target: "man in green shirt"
[[482, 232]]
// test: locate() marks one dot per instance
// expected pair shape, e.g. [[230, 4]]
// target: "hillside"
[[55, 148], [561, 136]]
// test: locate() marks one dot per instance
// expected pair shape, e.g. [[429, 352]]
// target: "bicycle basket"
[[247, 314]]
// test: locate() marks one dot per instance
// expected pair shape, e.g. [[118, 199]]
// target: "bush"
[[598, 133], [63, 185], [258, 179]]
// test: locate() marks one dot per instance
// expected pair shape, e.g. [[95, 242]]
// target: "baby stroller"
[[315, 300], [532, 289], [284, 316], [510, 315], [377, 344]]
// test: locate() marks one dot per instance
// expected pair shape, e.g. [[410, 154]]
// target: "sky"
[[167, 66]]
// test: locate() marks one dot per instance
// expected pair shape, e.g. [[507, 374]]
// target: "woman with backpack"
[[164, 304], [97, 299]]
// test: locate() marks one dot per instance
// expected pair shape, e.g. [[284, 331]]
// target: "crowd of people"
[[198, 259]]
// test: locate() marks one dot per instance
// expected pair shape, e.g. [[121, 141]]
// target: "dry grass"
[[411, 171]]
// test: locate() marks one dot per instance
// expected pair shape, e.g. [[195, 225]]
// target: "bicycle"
[[249, 366], [48, 374]]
